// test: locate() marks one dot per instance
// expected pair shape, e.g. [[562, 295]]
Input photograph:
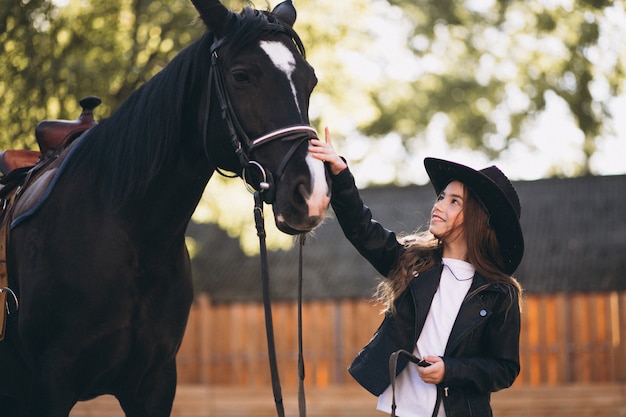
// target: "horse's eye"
[[241, 76]]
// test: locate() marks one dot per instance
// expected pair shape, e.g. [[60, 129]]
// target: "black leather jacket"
[[482, 354]]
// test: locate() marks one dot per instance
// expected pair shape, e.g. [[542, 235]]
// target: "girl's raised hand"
[[325, 152]]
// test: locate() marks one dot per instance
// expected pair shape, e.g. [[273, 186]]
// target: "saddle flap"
[[34, 192]]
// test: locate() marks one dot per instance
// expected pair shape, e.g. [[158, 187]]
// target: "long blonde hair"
[[423, 251]]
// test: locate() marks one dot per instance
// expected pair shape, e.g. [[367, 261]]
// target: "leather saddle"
[[52, 136], [27, 174], [22, 168]]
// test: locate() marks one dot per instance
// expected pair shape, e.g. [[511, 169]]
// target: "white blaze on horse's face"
[[319, 198], [284, 60]]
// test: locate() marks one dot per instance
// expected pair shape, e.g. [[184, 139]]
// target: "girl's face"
[[446, 217]]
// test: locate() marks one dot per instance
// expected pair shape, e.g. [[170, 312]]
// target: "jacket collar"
[[472, 311], [423, 289]]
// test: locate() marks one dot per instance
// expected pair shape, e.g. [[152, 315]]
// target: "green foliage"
[[52, 56], [469, 59], [486, 50], [384, 66]]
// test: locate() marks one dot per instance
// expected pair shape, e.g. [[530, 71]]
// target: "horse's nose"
[[317, 195], [317, 202]]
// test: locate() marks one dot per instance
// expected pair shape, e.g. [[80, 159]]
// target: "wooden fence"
[[566, 339]]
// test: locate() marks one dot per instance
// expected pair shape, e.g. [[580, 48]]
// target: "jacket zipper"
[[440, 401]]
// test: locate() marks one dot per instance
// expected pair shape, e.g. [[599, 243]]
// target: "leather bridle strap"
[[269, 326], [301, 397], [232, 123], [393, 364]]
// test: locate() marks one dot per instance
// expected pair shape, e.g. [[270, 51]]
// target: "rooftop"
[[574, 230]]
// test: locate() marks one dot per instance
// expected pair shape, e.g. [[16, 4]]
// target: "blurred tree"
[[488, 66], [484, 67], [53, 54]]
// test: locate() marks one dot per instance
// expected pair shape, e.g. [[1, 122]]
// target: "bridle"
[[262, 180], [262, 185]]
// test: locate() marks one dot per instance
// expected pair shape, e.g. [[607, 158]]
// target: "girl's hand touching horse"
[[325, 152]]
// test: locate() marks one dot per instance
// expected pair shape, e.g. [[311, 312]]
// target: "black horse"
[[99, 263]]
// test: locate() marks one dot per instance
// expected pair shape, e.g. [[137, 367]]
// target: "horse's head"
[[262, 84]]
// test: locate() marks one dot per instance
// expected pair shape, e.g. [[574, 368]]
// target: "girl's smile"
[[446, 220]]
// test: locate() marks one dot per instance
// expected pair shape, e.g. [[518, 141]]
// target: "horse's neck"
[[170, 201]]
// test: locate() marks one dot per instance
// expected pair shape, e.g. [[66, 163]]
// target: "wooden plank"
[[187, 355], [256, 352], [220, 345], [337, 370], [319, 359], [601, 338], [560, 347], [203, 350], [534, 331], [538, 332], [553, 337], [242, 337], [287, 341], [581, 335], [619, 333]]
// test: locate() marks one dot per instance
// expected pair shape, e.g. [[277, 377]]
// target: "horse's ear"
[[214, 15], [286, 12]]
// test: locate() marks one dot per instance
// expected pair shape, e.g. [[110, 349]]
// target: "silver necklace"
[[454, 275]]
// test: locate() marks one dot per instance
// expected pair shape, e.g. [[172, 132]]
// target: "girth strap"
[[4, 279], [4, 276]]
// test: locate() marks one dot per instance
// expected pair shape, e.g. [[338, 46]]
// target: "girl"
[[449, 295]]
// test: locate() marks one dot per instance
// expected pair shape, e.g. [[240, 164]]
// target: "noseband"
[[254, 175]]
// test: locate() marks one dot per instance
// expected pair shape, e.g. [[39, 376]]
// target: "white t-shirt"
[[414, 397]]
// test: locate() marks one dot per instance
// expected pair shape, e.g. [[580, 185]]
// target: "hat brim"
[[502, 215]]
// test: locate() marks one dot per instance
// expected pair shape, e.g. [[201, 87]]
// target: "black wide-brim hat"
[[497, 195]]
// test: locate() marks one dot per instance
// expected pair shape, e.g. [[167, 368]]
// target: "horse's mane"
[[130, 148]]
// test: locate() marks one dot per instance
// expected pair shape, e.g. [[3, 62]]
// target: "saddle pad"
[[37, 192]]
